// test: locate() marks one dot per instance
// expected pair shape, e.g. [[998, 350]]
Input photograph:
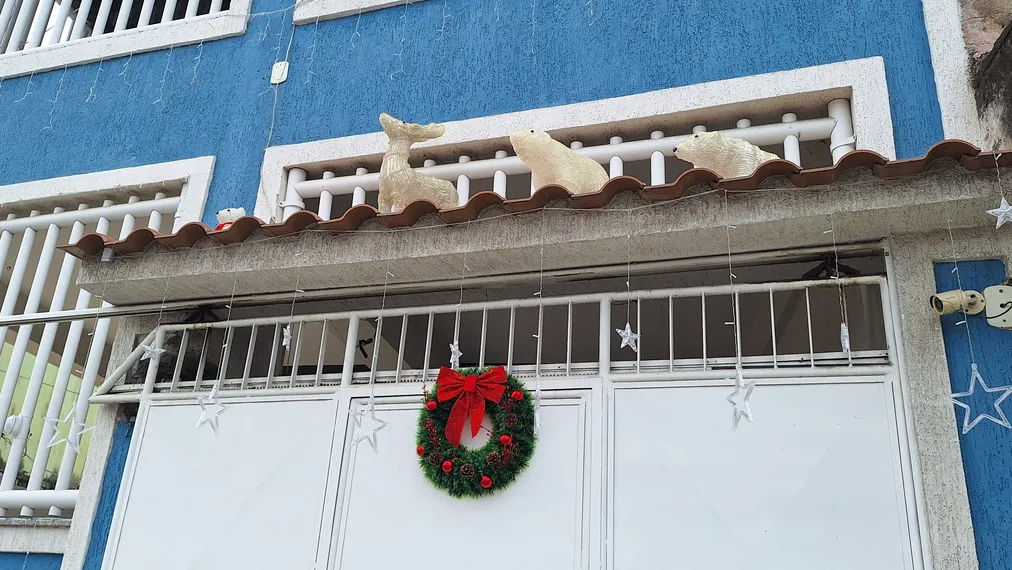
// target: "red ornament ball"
[[447, 466], [486, 482], [430, 405], [517, 395], [421, 450], [505, 439]]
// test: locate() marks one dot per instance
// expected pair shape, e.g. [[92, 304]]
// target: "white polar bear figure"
[[727, 157], [552, 162], [228, 216]]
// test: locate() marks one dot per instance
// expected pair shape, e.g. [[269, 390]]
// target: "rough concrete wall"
[[983, 21], [993, 91]]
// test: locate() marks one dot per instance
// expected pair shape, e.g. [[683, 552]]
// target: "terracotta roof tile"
[[967, 155]]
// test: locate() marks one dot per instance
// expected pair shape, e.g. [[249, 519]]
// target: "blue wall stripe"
[[987, 448], [19, 561], [110, 490]]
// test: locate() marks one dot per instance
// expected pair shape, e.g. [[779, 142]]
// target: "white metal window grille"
[[50, 366], [27, 24], [786, 329], [645, 154]]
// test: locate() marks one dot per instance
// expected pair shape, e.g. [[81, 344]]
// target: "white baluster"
[[841, 140], [428, 162], [146, 8], [7, 15], [215, 6], [358, 194], [25, 16], [40, 23], [743, 123], [499, 178], [104, 8], [191, 8], [91, 370], [293, 202], [42, 355], [463, 184], [62, 16], [326, 200], [155, 220], [168, 11], [615, 167], [17, 276], [699, 129], [792, 146], [124, 15], [657, 175], [82, 20]]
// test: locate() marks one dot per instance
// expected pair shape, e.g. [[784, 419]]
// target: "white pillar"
[[146, 8], [17, 276], [56, 34], [293, 201], [82, 20], [104, 7], [792, 146], [191, 8], [325, 211], [155, 219], [499, 178], [615, 167], [168, 11], [358, 194], [657, 174], [25, 16], [841, 140], [463, 183], [124, 14]]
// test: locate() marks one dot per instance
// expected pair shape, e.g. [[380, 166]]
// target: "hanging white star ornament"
[[287, 340], [212, 405], [366, 426], [149, 351], [975, 378], [742, 392], [1003, 212], [629, 338], [455, 355], [74, 434]]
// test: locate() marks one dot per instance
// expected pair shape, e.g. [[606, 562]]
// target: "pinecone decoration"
[[493, 459], [429, 425], [507, 403], [435, 460], [467, 471], [434, 439], [510, 421]]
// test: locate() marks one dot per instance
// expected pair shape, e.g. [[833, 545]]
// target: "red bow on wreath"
[[472, 391]]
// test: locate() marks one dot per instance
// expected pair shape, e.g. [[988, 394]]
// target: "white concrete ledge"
[[42, 535], [313, 10]]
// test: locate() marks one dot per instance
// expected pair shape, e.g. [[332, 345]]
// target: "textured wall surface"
[[19, 561], [987, 448], [492, 56], [110, 489]]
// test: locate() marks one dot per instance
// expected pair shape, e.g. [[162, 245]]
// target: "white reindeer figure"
[[399, 185]]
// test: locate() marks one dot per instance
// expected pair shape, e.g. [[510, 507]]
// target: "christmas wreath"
[[479, 472]]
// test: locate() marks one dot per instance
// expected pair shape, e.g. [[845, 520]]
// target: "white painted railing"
[[250, 356], [27, 24], [65, 368], [836, 127]]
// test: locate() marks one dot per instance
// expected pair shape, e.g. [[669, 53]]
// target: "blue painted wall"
[[490, 59], [110, 489], [20, 561], [987, 448]]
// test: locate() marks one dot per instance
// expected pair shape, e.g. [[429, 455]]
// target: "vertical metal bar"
[[792, 146], [400, 347], [153, 360], [226, 351], [293, 200], [42, 17], [604, 339], [358, 194], [199, 376], [82, 19], [325, 210], [463, 184], [484, 337], [147, 7], [191, 8], [657, 174], [275, 344], [25, 16], [615, 166], [737, 326], [428, 349], [297, 354], [671, 334], [537, 357], [376, 348], [249, 357], [126, 6], [168, 11], [808, 312], [178, 370], [499, 177], [351, 343], [56, 33], [773, 330], [509, 348], [104, 8], [155, 219], [17, 275], [215, 6], [639, 321], [569, 340], [323, 350], [702, 312]]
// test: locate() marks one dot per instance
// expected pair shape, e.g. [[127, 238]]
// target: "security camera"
[[957, 301]]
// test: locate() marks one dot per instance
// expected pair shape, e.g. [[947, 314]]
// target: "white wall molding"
[[193, 174], [950, 62], [313, 10], [127, 42], [862, 80], [43, 536]]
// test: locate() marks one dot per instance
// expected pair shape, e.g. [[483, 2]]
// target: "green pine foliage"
[[503, 464]]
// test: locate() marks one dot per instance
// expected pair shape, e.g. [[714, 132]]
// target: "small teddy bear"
[[228, 216], [726, 156]]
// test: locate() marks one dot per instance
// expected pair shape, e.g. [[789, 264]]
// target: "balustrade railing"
[[617, 155]]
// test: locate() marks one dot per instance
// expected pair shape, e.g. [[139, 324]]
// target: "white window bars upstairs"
[[50, 369], [650, 158], [27, 24], [785, 329]]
